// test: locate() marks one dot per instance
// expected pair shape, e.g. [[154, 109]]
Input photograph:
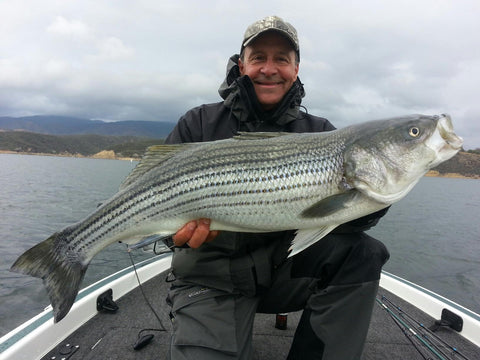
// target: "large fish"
[[312, 182]]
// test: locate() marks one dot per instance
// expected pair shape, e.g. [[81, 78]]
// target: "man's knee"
[[342, 258], [367, 258], [371, 248]]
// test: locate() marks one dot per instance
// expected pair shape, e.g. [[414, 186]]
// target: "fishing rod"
[[427, 332], [147, 241], [409, 332], [425, 341]]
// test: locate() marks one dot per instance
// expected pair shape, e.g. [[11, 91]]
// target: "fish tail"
[[61, 275]]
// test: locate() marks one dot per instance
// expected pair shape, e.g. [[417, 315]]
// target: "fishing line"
[[144, 340], [143, 293]]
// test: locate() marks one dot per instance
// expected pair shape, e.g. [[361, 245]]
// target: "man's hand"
[[194, 233]]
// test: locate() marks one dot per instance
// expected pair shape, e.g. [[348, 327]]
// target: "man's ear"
[[240, 66]]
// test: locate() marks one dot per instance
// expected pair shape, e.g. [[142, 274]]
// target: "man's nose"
[[269, 68]]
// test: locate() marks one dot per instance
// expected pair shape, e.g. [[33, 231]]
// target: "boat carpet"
[[112, 336]]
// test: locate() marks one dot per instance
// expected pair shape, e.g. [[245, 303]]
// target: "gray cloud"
[[155, 60]]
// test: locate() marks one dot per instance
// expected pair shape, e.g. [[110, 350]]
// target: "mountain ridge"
[[65, 125]]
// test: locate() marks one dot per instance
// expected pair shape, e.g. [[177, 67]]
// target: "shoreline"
[[434, 173], [110, 155], [105, 155]]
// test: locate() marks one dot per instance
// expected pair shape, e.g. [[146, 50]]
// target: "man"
[[221, 280]]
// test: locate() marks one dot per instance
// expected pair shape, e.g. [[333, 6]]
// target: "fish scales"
[[309, 182], [236, 180], [230, 178], [227, 182]]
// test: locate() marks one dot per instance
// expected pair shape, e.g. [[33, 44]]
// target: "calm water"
[[432, 234]]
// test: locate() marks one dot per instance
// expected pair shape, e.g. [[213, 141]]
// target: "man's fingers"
[[200, 234], [185, 233], [194, 233]]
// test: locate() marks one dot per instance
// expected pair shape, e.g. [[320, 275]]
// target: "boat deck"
[[112, 336]]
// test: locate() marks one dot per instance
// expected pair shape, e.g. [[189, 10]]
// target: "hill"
[[74, 145], [62, 125], [464, 163]]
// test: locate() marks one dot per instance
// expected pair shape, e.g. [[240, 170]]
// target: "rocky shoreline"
[[105, 154], [434, 173]]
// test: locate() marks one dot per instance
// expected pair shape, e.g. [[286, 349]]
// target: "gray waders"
[[335, 281]]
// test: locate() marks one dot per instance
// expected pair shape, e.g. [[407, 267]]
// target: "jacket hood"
[[239, 95], [233, 72]]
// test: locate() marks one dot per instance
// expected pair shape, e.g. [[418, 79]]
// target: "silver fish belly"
[[254, 183]]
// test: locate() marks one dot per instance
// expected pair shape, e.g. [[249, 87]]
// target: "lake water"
[[432, 234]]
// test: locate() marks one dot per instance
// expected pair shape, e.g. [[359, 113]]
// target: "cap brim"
[[284, 33]]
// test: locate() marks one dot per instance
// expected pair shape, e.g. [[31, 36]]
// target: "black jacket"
[[226, 263]]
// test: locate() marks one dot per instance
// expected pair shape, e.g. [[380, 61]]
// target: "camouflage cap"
[[268, 24]]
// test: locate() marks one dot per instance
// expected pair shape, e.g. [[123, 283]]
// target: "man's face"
[[270, 62]]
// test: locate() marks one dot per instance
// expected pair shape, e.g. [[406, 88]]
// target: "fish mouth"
[[445, 128], [444, 142]]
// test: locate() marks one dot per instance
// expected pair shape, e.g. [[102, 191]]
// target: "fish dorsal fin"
[[157, 154], [154, 156], [242, 135]]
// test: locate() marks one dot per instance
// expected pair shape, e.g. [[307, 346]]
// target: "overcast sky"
[[154, 59]]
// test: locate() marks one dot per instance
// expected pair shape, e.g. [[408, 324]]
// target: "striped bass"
[[311, 182]]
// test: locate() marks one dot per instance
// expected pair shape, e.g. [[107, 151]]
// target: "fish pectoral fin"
[[305, 238], [330, 205]]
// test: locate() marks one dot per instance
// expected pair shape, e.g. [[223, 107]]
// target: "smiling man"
[[272, 65], [219, 281]]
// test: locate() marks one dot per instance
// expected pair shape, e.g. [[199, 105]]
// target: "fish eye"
[[414, 131]]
